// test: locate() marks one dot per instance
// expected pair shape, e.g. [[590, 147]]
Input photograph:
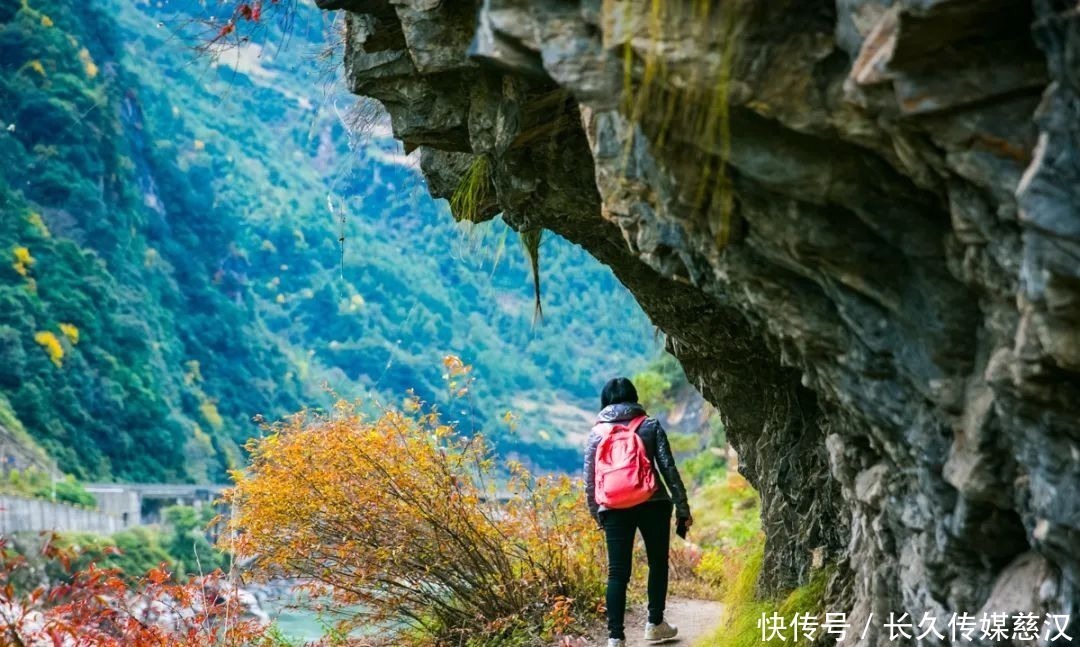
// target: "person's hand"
[[683, 526]]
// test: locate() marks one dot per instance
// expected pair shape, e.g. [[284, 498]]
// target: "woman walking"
[[626, 455]]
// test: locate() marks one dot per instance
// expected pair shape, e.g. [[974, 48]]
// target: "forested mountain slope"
[[191, 239]]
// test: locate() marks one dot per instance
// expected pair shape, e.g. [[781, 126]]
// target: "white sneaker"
[[660, 632], [616, 642]]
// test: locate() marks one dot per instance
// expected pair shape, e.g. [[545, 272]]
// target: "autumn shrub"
[[399, 516], [99, 607]]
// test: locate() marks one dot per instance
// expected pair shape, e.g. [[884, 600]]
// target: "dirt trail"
[[694, 618]]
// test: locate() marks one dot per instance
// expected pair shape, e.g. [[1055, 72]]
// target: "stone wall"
[[19, 514]]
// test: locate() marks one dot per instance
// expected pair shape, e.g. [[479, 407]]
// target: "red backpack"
[[624, 474]]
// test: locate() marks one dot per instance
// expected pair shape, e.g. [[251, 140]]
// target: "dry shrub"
[[100, 607], [399, 516], [684, 559]]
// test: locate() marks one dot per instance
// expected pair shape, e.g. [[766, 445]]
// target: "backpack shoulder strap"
[[605, 428], [636, 423]]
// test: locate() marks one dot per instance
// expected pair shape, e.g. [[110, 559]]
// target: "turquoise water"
[[299, 619]]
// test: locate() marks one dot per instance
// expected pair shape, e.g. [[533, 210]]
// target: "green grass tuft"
[[473, 192], [742, 610], [810, 597]]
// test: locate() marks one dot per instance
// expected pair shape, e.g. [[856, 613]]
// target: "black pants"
[[653, 518]]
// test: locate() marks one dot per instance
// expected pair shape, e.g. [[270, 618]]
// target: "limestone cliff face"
[[858, 223]]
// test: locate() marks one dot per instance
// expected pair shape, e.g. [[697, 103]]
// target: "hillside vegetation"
[[191, 240]]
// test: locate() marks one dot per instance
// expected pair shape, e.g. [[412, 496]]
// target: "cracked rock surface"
[[858, 224]]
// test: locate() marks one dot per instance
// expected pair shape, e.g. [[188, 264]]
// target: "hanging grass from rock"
[[530, 240]]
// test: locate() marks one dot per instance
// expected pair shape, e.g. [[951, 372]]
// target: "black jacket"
[[659, 451]]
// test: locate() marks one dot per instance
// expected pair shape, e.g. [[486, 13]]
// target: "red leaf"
[[225, 31], [158, 575]]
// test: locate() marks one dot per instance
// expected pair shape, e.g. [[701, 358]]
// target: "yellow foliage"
[[34, 218], [208, 409], [46, 151], [399, 516], [46, 21], [199, 145], [280, 298], [203, 439], [89, 66], [52, 346], [23, 261], [458, 376], [71, 332], [712, 567], [192, 372], [511, 421], [352, 304], [36, 66]]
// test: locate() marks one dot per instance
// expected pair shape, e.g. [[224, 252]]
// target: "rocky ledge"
[[858, 224]]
